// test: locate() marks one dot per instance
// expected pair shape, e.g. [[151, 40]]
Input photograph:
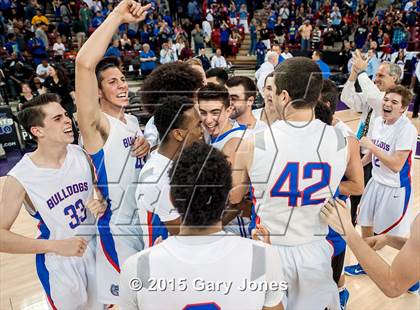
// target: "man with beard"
[[242, 92]]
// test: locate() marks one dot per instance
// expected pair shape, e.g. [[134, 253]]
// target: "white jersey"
[[237, 131], [294, 171], [400, 136], [119, 232], [345, 129], [203, 272], [152, 194], [59, 195]]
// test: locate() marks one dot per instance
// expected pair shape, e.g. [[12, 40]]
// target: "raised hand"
[[335, 214], [261, 233], [97, 207], [130, 11]]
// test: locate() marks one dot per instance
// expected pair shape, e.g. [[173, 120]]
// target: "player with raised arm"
[[293, 167], [385, 207], [178, 124], [203, 267], [115, 143], [55, 183]]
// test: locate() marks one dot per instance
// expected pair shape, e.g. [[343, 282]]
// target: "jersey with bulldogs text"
[[59, 195], [400, 136]]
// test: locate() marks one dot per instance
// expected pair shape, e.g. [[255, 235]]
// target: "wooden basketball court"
[[21, 289]]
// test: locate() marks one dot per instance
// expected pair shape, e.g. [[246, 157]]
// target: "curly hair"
[[169, 79], [170, 114], [201, 181]]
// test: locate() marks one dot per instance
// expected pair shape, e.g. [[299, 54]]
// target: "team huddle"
[[214, 205]]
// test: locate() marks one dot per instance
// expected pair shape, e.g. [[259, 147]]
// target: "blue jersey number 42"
[[290, 173]]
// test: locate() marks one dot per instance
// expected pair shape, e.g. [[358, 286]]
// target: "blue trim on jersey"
[[241, 225], [253, 221], [158, 228], [107, 240], [224, 135], [338, 243], [405, 179], [41, 268]]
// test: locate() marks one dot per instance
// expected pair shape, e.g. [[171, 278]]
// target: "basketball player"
[[242, 93], [225, 135], [178, 124], [352, 183], [217, 76], [55, 184], [116, 146], [203, 267], [392, 280], [167, 80], [369, 102], [293, 167], [385, 207], [268, 114]]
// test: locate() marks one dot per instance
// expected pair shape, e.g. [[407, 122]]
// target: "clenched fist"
[[75, 246]]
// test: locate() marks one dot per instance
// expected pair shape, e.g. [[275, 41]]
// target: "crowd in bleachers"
[[34, 30]]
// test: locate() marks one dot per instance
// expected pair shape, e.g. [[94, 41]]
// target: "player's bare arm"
[[379, 241], [10, 242], [354, 184], [367, 158], [395, 161], [93, 124], [393, 280]]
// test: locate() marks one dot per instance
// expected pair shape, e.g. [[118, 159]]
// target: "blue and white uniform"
[[119, 230], [238, 226], [153, 195], [385, 204], [296, 167], [59, 197]]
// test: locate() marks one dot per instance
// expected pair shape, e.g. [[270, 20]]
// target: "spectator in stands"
[[97, 20], [125, 43], [399, 36], [305, 32], [37, 49], [26, 94], [316, 38], [292, 32], [217, 75], [64, 28], [136, 45], [11, 45], [279, 28], [207, 31], [198, 38], [253, 37], [335, 17], [85, 16], [345, 56], [167, 55], [265, 36], [317, 57], [39, 18], [38, 86], [80, 32], [416, 87], [400, 60], [266, 68], [286, 53], [198, 66], [218, 61], [205, 61], [261, 48], [114, 49], [243, 18], [373, 63], [147, 60], [186, 52], [234, 42], [224, 39], [284, 12], [40, 33], [43, 70], [360, 35], [58, 49]]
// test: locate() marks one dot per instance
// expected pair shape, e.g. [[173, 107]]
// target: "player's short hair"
[[302, 78], [170, 79], [194, 62], [404, 92], [200, 184], [329, 93], [169, 114], [220, 74], [32, 114], [247, 84], [213, 91], [104, 64], [319, 54], [270, 75]]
